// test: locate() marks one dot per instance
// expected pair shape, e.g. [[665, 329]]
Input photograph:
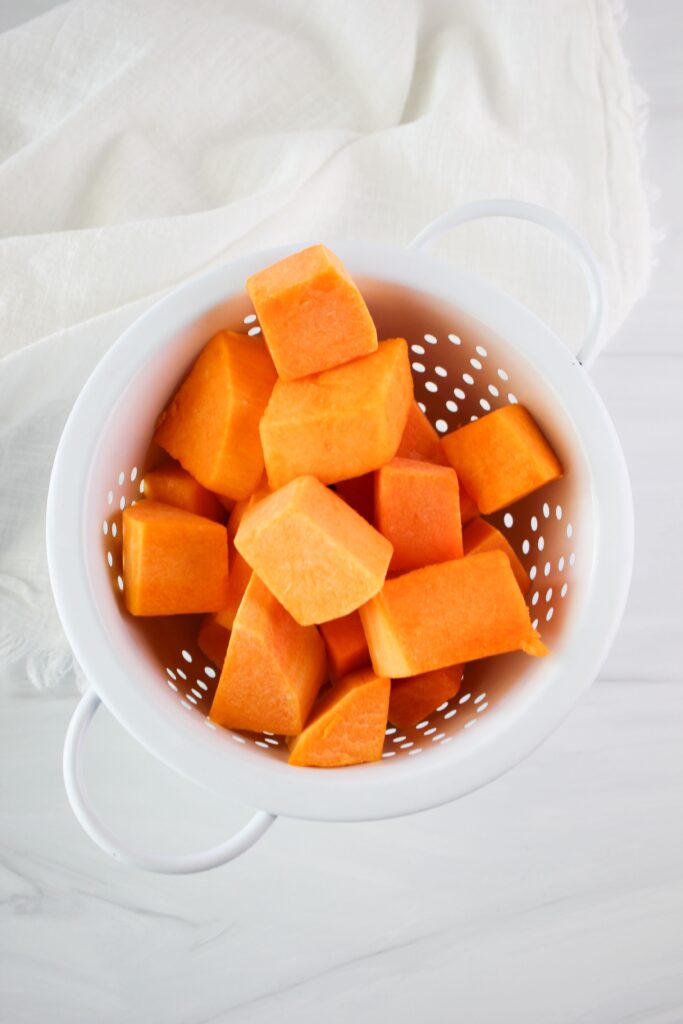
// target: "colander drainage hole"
[[119, 580], [419, 367], [201, 684], [105, 527], [441, 426], [482, 707], [565, 588], [440, 371], [422, 725], [181, 673], [451, 405], [196, 693], [430, 339], [532, 572], [481, 351], [472, 721], [480, 698], [210, 672], [560, 564], [485, 404], [493, 390], [465, 697], [503, 375], [508, 520], [512, 399], [422, 407], [250, 318], [390, 731], [417, 349], [133, 474], [187, 656], [468, 378], [546, 569], [253, 331], [454, 339], [450, 714], [476, 363], [526, 546], [110, 559], [389, 753], [459, 393], [548, 594], [438, 737], [114, 529], [534, 599], [546, 510], [442, 707], [534, 523], [549, 614], [430, 732], [431, 387]]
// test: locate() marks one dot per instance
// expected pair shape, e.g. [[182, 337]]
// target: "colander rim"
[[412, 784]]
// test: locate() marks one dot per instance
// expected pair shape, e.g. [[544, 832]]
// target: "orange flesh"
[[319, 557], [448, 614], [348, 725], [312, 315], [174, 563]]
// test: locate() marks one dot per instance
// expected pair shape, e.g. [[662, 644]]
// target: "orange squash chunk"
[[468, 509], [420, 440], [211, 425], [347, 726], [359, 493], [174, 486], [414, 698], [347, 648], [213, 639], [340, 423], [417, 508], [501, 457], [479, 536], [311, 313], [317, 556], [240, 572], [448, 614], [273, 669], [174, 563]]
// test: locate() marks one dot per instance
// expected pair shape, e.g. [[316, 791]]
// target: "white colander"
[[472, 349]]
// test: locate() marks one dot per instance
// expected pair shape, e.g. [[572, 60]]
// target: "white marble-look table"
[[553, 896]]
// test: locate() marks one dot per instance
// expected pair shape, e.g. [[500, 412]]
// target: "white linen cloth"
[[142, 141]]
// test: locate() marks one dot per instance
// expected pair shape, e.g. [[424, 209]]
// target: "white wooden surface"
[[555, 895]]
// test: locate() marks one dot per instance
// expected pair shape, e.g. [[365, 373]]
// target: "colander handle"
[[519, 210], [183, 864]]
